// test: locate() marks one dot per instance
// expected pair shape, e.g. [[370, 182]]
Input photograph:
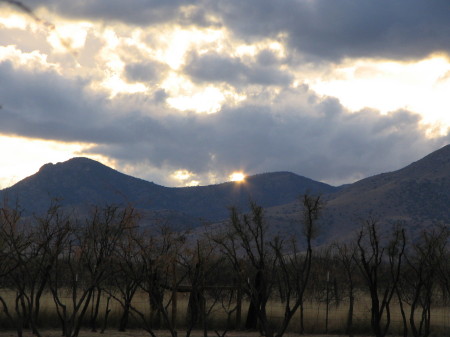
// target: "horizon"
[[242, 179]]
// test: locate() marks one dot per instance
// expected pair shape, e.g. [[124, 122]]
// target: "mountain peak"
[[75, 162], [77, 166], [46, 167], [80, 160]]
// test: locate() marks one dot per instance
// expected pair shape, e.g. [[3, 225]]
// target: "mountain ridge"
[[416, 195], [82, 180]]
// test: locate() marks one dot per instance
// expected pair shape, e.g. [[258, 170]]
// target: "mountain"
[[417, 196], [81, 182]]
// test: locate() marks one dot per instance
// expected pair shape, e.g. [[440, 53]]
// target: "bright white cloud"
[[174, 42], [33, 60], [69, 37], [11, 20], [420, 86], [206, 100]]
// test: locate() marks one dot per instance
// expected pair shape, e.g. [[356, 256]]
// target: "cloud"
[[300, 131], [343, 148], [319, 30], [213, 67], [333, 30], [43, 104], [134, 12], [147, 71]]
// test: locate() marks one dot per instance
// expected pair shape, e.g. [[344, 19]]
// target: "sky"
[[190, 92]]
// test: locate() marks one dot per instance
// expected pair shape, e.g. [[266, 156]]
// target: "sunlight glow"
[[113, 78], [181, 175], [10, 21], [208, 100], [237, 177], [116, 85], [251, 50], [175, 43], [185, 178]]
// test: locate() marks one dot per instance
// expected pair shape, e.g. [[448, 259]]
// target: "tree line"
[[84, 263]]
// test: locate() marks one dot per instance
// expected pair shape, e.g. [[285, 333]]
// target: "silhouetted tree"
[[245, 246], [126, 273], [420, 278], [263, 263], [157, 255], [380, 267], [345, 255], [85, 263]]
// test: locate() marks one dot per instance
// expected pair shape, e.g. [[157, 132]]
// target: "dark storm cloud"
[[332, 30], [134, 12], [325, 145], [257, 139], [43, 104], [300, 132], [318, 29], [213, 67]]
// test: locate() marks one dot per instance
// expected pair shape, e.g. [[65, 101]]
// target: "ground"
[[142, 333]]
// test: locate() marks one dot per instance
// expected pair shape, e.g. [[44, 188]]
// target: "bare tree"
[[345, 255], [380, 267], [200, 264], [33, 248], [420, 278], [264, 263], [312, 207], [294, 266], [10, 243], [157, 255], [84, 263], [245, 246], [293, 272], [229, 299], [126, 274]]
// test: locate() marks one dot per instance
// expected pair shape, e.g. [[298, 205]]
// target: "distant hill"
[[417, 196], [81, 182]]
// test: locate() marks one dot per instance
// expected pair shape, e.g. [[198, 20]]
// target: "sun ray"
[[237, 177]]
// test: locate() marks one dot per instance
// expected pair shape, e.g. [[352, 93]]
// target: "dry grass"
[[314, 319], [142, 333]]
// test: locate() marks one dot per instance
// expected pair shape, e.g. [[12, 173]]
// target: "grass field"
[[314, 319], [139, 333]]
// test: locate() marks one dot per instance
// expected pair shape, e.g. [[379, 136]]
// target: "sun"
[[237, 176]]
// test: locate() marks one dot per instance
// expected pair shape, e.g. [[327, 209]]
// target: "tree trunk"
[[124, 318], [252, 318], [349, 326], [95, 310]]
